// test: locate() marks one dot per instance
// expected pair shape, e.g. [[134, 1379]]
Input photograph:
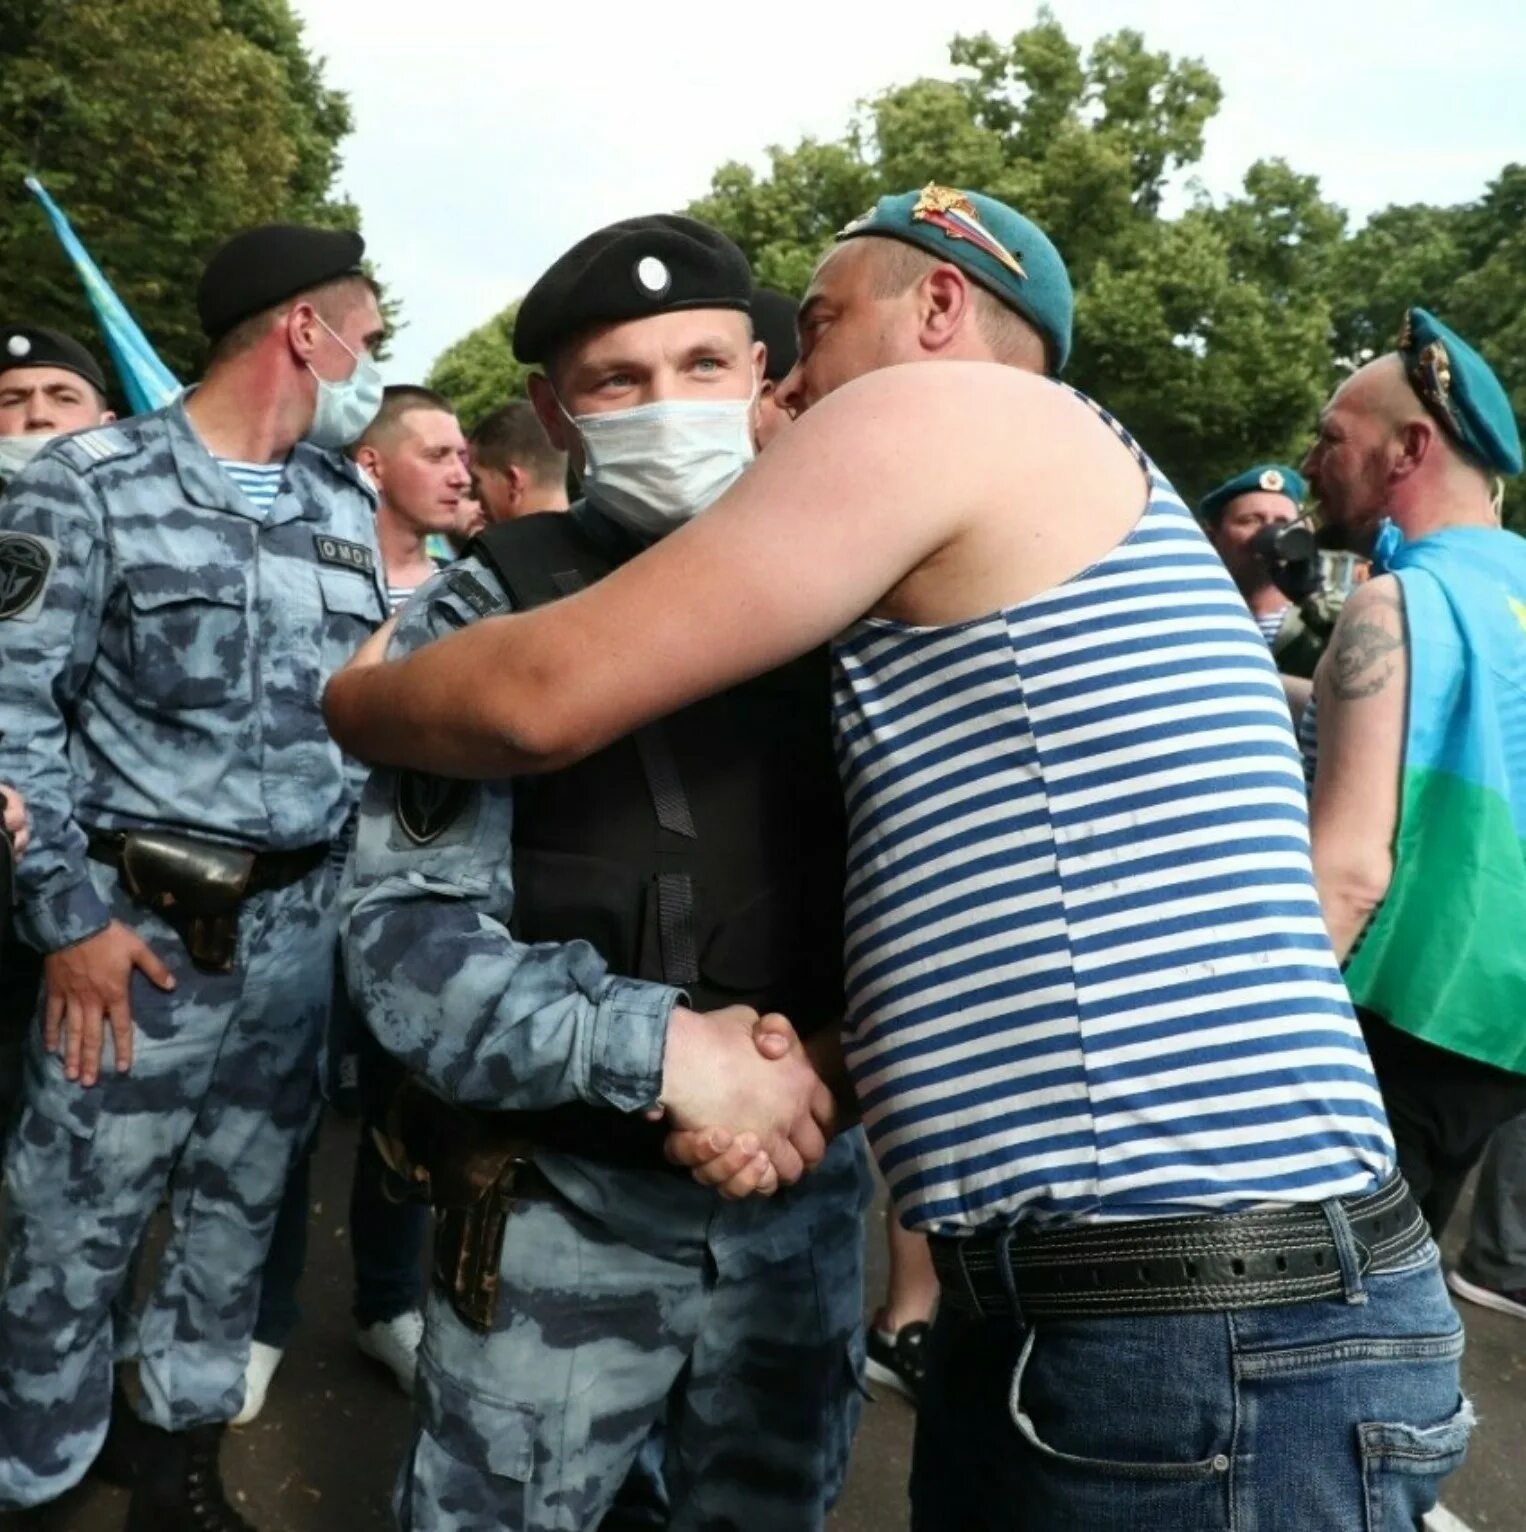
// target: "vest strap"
[[543, 558]]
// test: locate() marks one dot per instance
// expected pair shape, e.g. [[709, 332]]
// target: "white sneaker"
[[395, 1344], [263, 1361]]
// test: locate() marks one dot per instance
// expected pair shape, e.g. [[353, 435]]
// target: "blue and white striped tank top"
[[1087, 973]]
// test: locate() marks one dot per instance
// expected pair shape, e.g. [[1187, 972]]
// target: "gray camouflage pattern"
[[164, 670], [640, 1317], [221, 1095], [170, 673]]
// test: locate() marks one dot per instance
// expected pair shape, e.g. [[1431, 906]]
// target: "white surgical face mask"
[[17, 451], [346, 408], [657, 466]]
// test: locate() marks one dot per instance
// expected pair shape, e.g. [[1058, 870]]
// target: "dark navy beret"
[[1460, 390], [1264, 478], [631, 270], [262, 267], [773, 323], [23, 345]]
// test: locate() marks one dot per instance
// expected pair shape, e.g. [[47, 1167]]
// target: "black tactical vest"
[[706, 851]]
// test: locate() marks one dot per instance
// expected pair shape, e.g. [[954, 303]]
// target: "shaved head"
[[1381, 391], [1380, 453]]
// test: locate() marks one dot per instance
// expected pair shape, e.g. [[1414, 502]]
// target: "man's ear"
[[549, 412], [107, 416], [1415, 441], [303, 329], [370, 460], [518, 481], [945, 303]]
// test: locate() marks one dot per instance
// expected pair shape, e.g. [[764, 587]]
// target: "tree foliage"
[[1216, 334], [161, 126], [478, 373]]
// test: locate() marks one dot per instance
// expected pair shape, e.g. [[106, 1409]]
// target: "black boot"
[[179, 1488], [126, 1441]]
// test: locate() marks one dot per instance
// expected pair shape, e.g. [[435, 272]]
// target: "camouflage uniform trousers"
[[738, 1361], [222, 1092]]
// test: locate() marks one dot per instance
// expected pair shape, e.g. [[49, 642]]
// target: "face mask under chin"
[[17, 451]]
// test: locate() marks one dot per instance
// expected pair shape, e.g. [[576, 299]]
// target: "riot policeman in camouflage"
[[49, 384], [607, 1345], [182, 583]]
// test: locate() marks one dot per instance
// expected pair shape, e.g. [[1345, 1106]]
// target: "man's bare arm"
[[1362, 690], [1298, 691], [858, 493]]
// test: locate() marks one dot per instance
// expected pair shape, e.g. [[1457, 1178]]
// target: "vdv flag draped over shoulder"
[[148, 383], [1445, 956]]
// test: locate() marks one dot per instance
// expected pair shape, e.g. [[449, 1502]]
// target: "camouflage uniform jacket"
[[165, 648]]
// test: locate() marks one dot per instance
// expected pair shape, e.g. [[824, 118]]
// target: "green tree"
[[1208, 333], [1466, 263], [478, 373], [161, 126]]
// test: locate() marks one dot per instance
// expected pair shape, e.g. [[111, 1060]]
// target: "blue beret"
[[33, 346], [262, 267], [1460, 390], [1265, 478], [631, 270], [1007, 254]]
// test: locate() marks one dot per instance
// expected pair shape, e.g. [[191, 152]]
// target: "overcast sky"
[[491, 134]]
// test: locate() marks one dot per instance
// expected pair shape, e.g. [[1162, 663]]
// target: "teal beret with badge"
[[1010, 256], [1264, 479], [1459, 389]]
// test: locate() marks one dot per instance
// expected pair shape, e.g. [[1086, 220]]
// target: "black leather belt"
[[271, 870], [1200, 1264]]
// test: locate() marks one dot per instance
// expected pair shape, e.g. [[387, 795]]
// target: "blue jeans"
[[1341, 1416]]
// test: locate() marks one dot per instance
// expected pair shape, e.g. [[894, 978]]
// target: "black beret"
[[631, 270], [262, 267], [773, 323], [29, 345]]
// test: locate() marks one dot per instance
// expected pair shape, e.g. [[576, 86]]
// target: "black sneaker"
[[898, 1360]]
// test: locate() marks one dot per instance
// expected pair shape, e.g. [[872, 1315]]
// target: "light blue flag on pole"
[[149, 384]]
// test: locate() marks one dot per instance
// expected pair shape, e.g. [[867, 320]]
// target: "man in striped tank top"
[[1095, 1027]]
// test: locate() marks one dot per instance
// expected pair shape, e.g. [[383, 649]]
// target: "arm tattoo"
[[1361, 664]]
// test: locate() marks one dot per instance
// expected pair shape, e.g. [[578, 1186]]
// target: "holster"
[[195, 885], [472, 1169]]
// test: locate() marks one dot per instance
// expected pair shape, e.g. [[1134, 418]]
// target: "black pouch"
[[196, 886]]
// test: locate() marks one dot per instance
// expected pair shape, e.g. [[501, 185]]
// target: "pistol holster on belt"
[[472, 1168], [195, 885]]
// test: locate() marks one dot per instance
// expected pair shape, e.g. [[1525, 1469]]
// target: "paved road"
[[321, 1458]]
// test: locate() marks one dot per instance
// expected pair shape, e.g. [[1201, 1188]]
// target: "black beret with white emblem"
[[631, 270], [23, 345], [260, 268]]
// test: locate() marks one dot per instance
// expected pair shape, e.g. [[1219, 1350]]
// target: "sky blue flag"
[[148, 383]]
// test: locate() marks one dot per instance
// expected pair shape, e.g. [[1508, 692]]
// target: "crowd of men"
[[874, 752]]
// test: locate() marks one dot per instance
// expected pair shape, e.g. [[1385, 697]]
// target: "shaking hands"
[[748, 1109]]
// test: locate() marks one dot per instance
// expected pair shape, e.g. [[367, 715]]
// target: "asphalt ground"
[[323, 1455]]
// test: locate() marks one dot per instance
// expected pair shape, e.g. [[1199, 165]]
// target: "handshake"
[[748, 1108]]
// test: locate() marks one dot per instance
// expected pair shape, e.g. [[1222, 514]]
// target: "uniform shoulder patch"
[[426, 806], [85, 449], [474, 593], [26, 568]]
